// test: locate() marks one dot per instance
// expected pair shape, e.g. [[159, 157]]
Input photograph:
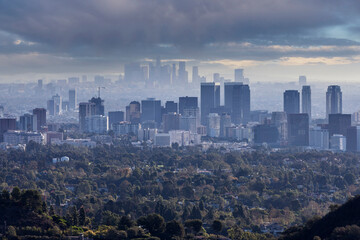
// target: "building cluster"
[[190, 120]]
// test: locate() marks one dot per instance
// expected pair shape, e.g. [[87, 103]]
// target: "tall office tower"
[[195, 75], [96, 124], [144, 72], [210, 98], [298, 129], [133, 112], [306, 100], [241, 104], [6, 124], [213, 125], [338, 143], [39, 118], [302, 80], [333, 100], [187, 103], [99, 106], [86, 109], [353, 139], [114, 117], [72, 99], [225, 122], [279, 119], [1, 111], [237, 100], [190, 119], [51, 107], [265, 133], [171, 106], [84, 78], [65, 106], [319, 138], [133, 73], [216, 77], [40, 84], [173, 74], [26, 122], [151, 111], [291, 102], [339, 123], [165, 75], [57, 104], [183, 74], [171, 121], [239, 75]]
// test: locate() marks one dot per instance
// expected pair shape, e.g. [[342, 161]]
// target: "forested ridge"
[[123, 192]]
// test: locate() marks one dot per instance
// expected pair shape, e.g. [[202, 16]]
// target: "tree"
[[16, 194], [194, 225], [82, 216], [174, 228], [74, 216], [125, 223], [154, 223], [217, 226], [51, 211], [195, 213], [44, 207]]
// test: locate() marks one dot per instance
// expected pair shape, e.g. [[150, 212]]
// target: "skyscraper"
[[225, 122], [50, 106], [151, 111], [133, 112], [26, 122], [114, 117], [291, 101], [306, 100], [99, 106], [333, 100], [39, 118], [298, 129], [183, 74], [72, 99], [302, 80], [57, 104], [279, 119], [339, 124], [210, 98], [213, 125], [171, 106], [237, 100], [5, 125], [86, 109], [187, 103], [195, 75], [171, 121], [239, 75]]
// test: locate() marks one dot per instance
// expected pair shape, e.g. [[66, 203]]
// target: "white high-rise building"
[[213, 126], [338, 142], [97, 124], [319, 138]]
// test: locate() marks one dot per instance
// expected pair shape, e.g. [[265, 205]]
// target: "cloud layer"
[[128, 30]]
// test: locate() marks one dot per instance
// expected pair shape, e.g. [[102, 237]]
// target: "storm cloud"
[[196, 29]]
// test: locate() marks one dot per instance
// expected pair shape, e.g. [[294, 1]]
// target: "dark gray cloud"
[[124, 30], [136, 23]]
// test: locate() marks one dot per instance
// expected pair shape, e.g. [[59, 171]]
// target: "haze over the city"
[[273, 40]]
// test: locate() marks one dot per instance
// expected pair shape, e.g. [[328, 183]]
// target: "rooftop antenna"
[[99, 91]]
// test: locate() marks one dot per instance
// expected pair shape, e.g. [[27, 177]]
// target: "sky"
[[273, 40]]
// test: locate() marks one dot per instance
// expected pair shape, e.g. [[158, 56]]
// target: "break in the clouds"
[[78, 33]]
